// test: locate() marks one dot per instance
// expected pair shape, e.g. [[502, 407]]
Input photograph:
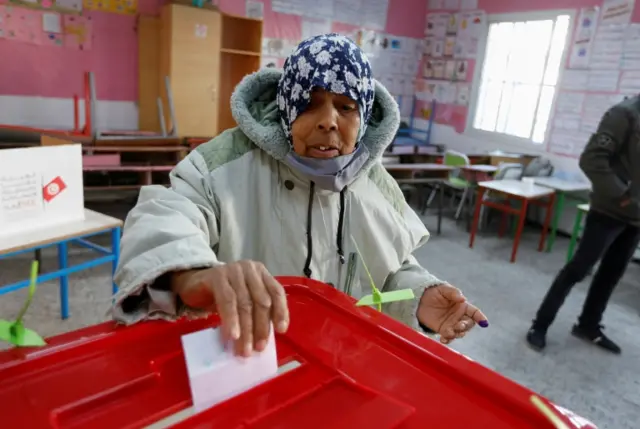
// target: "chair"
[[538, 167], [506, 171], [454, 159]]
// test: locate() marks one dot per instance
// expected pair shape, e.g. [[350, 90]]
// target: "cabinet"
[[205, 54]]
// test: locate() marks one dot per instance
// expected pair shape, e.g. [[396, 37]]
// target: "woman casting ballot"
[[293, 190]]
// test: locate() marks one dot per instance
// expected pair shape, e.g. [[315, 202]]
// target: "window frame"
[[504, 139]]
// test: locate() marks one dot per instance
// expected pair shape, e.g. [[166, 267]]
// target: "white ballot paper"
[[216, 374]]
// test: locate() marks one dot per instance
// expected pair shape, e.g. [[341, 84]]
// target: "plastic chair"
[[454, 159], [538, 167]]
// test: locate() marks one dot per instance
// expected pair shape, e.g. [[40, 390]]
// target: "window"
[[521, 65]]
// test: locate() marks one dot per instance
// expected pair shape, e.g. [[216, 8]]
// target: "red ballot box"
[[351, 367]]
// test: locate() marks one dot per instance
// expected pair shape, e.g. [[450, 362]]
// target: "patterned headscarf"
[[329, 61]]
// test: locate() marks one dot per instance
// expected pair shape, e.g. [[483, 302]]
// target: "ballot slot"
[[182, 415]]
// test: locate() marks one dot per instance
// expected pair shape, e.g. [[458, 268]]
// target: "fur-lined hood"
[[254, 108]]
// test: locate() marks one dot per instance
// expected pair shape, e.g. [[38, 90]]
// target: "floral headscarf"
[[329, 61]]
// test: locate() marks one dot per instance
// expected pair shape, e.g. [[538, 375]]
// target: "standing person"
[[288, 192], [611, 160]]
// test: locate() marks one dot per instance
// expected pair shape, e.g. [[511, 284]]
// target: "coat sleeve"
[[602, 147], [169, 229], [410, 275]]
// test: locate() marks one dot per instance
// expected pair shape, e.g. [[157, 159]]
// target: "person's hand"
[[244, 294], [446, 311], [625, 202]]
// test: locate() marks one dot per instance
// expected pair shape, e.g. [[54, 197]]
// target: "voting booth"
[[342, 366], [40, 187]]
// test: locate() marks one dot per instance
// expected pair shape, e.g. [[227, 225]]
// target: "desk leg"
[[557, 214], [476, 216], [469, 205], [63, 265], [440, 206], [522, 217], [115, 251], [547, 221]]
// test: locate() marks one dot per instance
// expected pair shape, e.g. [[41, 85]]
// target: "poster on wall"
[[45, 28], [631, 50], [63, 6], [437, 25], [254, 9], [617, 11], [123, 7], [583, 39], [471, 28]]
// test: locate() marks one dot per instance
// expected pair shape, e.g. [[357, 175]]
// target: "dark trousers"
[[604, 238]]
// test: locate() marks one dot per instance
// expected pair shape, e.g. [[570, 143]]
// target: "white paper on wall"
[[570, 102], [314, 27], [348, 11], [603, 80], [583, 38], [630, 82], [374, 13], [561, 142], [290, 7], [607, 47], [574, 80], [437, 24], [617, 11], [255, 9], [324, 9], [463, 95]]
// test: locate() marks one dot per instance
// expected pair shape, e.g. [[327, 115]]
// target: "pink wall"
[[58, 72]]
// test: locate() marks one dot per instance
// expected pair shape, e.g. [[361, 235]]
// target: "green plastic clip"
[[15, 332], [378, 298]]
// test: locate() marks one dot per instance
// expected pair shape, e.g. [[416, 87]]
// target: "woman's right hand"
[[244, 294]]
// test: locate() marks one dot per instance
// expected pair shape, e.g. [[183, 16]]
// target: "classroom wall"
[[445, 134], [37, 85]]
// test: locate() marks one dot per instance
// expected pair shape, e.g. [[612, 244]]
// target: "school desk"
[[475, 173], [62, 236], [565, 190], [429, 174], [523, 192], [348, 367]]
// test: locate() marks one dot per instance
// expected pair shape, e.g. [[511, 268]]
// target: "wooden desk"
[[564, 190], [434, 173], [420, 168], [525, 193], [132, 149], [61, 236]]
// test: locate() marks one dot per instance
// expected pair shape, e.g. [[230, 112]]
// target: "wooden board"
[[190, 46], [149, 79]]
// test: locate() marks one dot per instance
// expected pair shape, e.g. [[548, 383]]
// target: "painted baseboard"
[[57, 113]]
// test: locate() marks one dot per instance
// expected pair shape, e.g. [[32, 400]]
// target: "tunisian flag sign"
[[53, 189]]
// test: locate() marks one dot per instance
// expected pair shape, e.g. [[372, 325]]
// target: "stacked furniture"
[[205, 54]]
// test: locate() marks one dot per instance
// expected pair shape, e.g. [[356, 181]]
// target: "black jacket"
[[611, 160]]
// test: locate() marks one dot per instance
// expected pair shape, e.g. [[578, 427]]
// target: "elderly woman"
[[293, 190]]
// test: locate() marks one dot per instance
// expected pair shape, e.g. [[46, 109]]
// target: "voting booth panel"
[[352, 367], [40, 187]]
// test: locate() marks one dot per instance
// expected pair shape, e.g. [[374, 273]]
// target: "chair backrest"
[[455, 159], [538, 167], [507, 170]]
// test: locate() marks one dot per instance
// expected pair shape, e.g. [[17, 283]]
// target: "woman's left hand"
[[447, 312]]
